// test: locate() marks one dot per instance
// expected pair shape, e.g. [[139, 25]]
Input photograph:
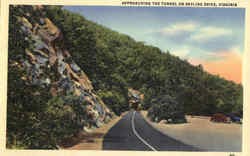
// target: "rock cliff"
[[135, 98], [47, 64]]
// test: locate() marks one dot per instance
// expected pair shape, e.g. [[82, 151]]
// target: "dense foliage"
[[166, 108], [115, 62]]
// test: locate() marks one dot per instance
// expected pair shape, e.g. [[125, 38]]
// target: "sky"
[[213, 37]]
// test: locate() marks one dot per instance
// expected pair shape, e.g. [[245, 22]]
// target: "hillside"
[[121, 63], [51, 49], [49, 96]]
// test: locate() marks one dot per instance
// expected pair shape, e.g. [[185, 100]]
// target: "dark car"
[[220, 118], [234, 118]]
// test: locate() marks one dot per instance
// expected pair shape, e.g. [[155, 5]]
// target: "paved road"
[[132, 132]]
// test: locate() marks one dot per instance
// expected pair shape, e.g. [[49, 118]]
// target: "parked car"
[[220, 118], [234, 118]]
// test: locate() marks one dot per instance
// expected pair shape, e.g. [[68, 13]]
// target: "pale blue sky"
[[191, 33]]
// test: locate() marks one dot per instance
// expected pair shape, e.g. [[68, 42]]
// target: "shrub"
[[166, 107], [114, 100]]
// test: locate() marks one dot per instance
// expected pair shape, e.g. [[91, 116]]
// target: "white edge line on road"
[[138, 136]]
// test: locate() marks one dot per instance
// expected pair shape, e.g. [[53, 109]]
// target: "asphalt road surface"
[[132, 132]]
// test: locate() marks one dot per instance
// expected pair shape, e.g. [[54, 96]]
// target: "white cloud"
[[208, 33], [182, 52], [178, 28]]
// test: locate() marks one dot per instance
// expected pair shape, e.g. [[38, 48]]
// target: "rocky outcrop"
[[135, 98], [49, 65]]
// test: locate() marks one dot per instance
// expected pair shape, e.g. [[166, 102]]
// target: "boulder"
[[32, 57], [75, 67], [25, 22], [42, 61], [26, 30], [107, 119], [51, 28], [99, 124], [41, 53]]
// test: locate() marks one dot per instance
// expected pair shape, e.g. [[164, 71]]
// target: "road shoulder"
[[203, 133], [92, 140]]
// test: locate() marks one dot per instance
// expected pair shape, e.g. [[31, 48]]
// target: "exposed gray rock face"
[[49, 65], [135, 98]]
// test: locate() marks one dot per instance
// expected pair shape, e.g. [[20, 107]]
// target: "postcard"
[[124, 77]]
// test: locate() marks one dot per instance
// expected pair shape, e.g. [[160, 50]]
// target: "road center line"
[[137, 135]]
